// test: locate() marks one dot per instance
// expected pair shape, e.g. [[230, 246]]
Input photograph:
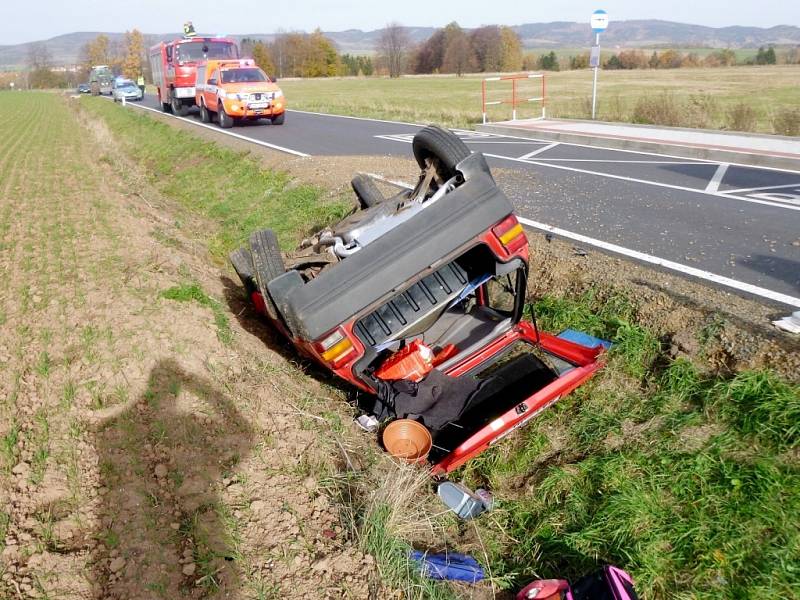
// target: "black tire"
[[279, 119], [165, 107], [267, 264], [178, 107], [242, 262], [205, 117], [225, 120], [441, 145], [367, 192]]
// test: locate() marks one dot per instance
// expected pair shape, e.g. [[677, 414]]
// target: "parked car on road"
[[126, 89], [84, 88], [237, 90], [418, 300]]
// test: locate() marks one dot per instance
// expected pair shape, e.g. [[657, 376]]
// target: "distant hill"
[[65, 49]]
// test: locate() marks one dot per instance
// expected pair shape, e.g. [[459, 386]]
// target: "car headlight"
[[236, 96]]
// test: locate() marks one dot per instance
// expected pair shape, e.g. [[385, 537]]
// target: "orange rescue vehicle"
[[237, 90]]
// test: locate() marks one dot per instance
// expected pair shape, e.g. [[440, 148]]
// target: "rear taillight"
[[335, 347], [510, 234]]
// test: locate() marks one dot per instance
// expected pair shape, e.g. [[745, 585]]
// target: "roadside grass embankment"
[[685, 476], [383, 505], [762, 99], [217, 183]]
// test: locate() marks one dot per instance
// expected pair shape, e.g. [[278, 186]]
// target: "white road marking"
[[394, 182], [538, 151], [716, 180], [645, 153], [625, 162], [763, 188], [407, 138], [667, 264], [223, 131], [646, 182], [648, 258]]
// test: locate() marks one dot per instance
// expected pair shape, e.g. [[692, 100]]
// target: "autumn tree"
[[458, 55], [263, 57], [134, 54], [487, 43], [581, 61], [393, 47], [511, 50], [96, 52], [429, 55]]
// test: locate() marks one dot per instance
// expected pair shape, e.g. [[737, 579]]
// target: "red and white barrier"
[[515, 101]]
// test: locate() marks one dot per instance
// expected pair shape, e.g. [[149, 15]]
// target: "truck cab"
[[237, 90], [174, 65]]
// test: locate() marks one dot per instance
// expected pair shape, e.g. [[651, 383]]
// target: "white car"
[[127, 90]]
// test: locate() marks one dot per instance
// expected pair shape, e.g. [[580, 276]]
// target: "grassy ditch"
[[220, 184], [686, 478]]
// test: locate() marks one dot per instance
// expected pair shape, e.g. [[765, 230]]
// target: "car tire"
[[279, 119], [267, 264], [225, 120], [205, 116], [441, 145], [179, 108], [367, 192], [242, 261]]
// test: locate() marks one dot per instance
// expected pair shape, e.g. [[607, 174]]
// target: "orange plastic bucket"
[[407, 440]]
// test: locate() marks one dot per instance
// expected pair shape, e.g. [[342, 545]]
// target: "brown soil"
[[152, 459]]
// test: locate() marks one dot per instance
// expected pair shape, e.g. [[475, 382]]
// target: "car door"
[[210, 91]]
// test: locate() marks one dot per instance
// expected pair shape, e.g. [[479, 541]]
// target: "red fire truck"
[[174, 66]]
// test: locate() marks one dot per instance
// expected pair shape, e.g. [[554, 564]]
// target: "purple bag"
[[609, 583]]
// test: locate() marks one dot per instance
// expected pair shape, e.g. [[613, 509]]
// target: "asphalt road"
[[737, 222]]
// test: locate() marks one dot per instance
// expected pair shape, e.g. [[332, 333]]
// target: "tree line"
[[451, 49]]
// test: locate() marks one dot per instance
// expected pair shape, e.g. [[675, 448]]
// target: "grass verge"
[[688, 480], [228, 187], [704, 97], [192, 292]]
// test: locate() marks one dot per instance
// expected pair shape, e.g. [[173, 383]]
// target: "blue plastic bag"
[[451, 566]]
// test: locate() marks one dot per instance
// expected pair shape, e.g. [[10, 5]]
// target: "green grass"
[[687, 480], [456, 101], [192, 292], [225, 186]]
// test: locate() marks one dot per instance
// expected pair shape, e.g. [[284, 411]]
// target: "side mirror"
[[212, 82], [466, 504], [274, 80]]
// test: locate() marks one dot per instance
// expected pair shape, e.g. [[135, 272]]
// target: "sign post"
[[599, 23]]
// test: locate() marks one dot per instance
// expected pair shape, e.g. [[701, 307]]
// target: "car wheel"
[[205, 117], [178, 107], [242, 262], [367, 192], [225, 120], [279, 119], [442, 146], [267, 264]]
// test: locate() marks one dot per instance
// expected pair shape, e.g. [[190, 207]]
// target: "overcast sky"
[[23, 22]]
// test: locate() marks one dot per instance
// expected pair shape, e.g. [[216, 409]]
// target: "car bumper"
[[244, 110]]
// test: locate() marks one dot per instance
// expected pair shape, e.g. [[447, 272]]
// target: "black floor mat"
[[504, 388]]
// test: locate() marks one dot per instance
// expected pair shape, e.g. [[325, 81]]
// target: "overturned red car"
[[418, 300]]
